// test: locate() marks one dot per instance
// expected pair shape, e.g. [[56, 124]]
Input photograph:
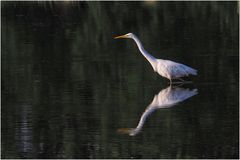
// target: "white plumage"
[[166, 98], [166, 68]]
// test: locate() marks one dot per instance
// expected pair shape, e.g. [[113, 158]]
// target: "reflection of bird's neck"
[[147, 112], [149, 57]]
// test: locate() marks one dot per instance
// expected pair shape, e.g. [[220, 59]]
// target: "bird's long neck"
[[149, 57], [144, 116]]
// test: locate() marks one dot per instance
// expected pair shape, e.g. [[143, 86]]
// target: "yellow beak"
[[122, 36], [124, 130]]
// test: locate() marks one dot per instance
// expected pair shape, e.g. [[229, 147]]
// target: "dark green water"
[[68, 88]]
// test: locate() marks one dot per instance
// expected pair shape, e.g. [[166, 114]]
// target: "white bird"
[[166, 68], [166, 98]]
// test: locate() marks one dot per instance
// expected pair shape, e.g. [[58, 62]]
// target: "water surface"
[[68, 87]]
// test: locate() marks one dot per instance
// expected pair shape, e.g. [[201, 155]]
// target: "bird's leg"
[[172, 82], [179, 84], [181, 79], [176, 82]]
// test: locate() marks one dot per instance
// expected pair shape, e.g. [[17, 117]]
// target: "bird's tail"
[[193, 71], [190, 70]]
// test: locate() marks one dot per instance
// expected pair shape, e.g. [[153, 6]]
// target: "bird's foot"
[[179, 83]]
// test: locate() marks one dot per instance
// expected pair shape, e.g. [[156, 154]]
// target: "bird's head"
[[129, 131], [128, 35]]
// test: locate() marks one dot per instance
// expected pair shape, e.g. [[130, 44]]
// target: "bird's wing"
[[177, 70], [170, 96]]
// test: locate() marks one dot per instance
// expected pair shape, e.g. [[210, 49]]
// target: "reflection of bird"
[[165, 68], [166, 98]]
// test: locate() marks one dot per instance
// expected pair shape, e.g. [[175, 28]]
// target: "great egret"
[[166, 68], [166, 98]]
